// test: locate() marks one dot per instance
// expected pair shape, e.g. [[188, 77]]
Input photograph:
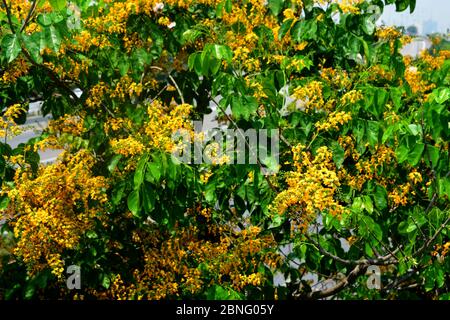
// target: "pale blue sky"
[[437, 10]]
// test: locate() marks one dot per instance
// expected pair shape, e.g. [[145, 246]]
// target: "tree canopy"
[[361, 180]]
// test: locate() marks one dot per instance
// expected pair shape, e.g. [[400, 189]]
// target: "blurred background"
[[430, 16]]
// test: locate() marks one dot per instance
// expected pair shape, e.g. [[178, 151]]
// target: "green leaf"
[[441, 95], [33, 46], [411, 227], [133, 202], [368, 25], [221, 52], [228, 6], [387, 134], [114, 161], [140, 171], [338, 154], [11, 47], [277, 221], [123, 66], [368, 250], [284, 28], [275, 6], [401, 5], [91, 234], [117, 194], [416, 154], [29, 291], [402, 153], [412, 5], [153, 173], [243, 107], [4, 202], [373, 130], [106, 281], [432, 156], [52, 38], [148, 200], [44, 19], [190, 35], [58, 4], [367, 204], [380, 197], [217, 292]]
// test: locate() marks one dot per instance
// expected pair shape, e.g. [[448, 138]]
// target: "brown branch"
[[339, 286], [30, 14], [173, 81], [52, 76], [430, 241], [8, 14], [385, 260]]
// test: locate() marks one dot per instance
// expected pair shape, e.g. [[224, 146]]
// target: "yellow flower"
[[288, 14], [333, 120]]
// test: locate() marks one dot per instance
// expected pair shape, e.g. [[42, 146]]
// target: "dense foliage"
[[363, 177]]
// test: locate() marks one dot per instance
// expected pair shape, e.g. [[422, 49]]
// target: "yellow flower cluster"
[[289, 14], [378, 72], [74, 67], [15, 70], [84, 41], [128, 147], [350, 6], [444, 249], [215, 155], [310, 96], [336, 78], [400, 195], [8, 127], [388, 33], [415, 177], [352, 97], [184, 262], [73, 125], [126, 88], [133, 41], [333, 120], [54, 209], [368, 168], [117, 124], [432, 62], [415, 80], [96, 94], [114, 20], [163, 122], [311, 188]]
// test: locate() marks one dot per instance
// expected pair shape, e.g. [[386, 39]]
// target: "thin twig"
[[173, 81], [8, 14], [245, 141], [30, 14]]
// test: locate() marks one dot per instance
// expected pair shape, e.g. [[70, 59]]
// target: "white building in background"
[[417, 45]]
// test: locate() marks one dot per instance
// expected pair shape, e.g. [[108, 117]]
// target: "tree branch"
[[30, 14], [430, 241], [8, 14], [382, 261], [339, 286]]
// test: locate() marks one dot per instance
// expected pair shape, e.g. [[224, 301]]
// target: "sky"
[[437, 10]]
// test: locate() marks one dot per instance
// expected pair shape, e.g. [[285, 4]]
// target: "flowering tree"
[[362, 181]]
